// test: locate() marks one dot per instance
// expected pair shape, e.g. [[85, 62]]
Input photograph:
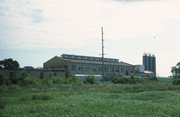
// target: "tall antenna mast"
[[102, 53]]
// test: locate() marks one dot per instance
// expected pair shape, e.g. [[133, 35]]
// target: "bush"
[[47, 81], [72, 79], [90, 79], [127, 80], [60, 80], [31, 81], [176, 81], [176, 76]]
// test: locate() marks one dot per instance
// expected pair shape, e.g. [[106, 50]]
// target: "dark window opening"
[[41, 75]]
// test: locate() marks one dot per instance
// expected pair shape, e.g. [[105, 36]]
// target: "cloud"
[[135, 0], [34, 14], [63, 23], [128, 28]]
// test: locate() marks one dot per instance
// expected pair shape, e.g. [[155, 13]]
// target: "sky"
[[34, 31]]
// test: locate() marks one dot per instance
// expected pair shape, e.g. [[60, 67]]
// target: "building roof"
[[89, 58], [97, 62]]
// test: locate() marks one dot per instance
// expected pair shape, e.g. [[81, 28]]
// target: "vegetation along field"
[[70, 99]]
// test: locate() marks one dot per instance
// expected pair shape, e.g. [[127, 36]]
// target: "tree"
[[175, 70], [9, 64]]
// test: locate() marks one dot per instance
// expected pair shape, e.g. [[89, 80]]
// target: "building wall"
[[139, 68], [110, 71]]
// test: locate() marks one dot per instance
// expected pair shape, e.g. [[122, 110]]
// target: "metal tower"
[[102, 53]]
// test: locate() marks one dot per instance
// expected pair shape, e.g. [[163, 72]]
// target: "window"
[[72, 57], [106, 69], [112, 69], [41, 75], [122, 70], [94, 69], [64, 56], [73, 67], [127, 73], [87, 68], [117, 69], [79, 57], [99, 69], [81, 68]]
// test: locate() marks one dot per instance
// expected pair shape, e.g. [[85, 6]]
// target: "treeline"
[[26, 80]]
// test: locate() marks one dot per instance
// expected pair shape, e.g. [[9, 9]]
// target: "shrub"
[[90, 79], [60, 80], [176, 76], [72, 79], [176, 81], [47, 81], [127, 80], [31, 81]]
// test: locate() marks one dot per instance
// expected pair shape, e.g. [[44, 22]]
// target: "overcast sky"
[[33, 31]]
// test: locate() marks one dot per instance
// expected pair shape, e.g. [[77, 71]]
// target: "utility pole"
[[102, 54]]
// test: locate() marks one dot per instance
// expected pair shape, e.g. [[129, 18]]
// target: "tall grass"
[[41, 97], [78, 103]]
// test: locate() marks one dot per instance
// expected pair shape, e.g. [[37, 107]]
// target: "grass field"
[[98, 100]]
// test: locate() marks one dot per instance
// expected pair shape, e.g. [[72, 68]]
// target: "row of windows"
[[89, 58], [94, 69]]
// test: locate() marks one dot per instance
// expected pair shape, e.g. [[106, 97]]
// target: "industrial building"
[[149, 62], [85, 65]]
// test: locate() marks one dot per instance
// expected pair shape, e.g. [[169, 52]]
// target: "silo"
[[149, 62], [154, 64], [145, 61]]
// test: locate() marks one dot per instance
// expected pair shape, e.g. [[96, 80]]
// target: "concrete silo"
[[149, 62]]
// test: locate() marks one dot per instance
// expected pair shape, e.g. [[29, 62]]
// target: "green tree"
[[9, 64]]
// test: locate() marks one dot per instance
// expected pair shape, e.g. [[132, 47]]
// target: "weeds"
[[90, 79], [127, 80], [2, 105]]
